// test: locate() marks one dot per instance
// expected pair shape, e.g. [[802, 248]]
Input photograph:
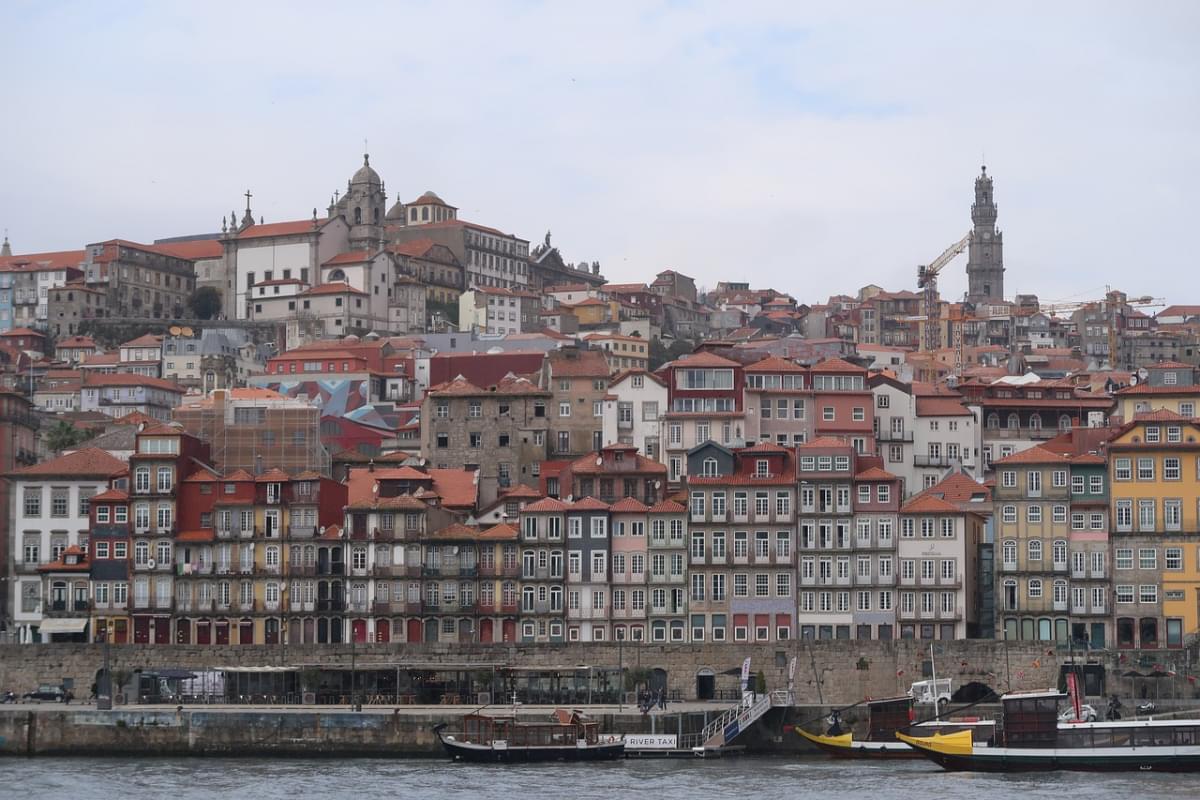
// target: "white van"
[[925, 693]]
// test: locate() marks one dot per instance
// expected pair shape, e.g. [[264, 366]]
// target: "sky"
[[810, 147]]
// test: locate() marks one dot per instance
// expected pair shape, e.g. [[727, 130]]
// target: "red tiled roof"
[[959, 488], [875, 474], [42, 261], [501, 532], [941, 407], [928, 504], [136, 418], [61, 564], [589, 504], [75, 342], [1033, 455], [587, 364], [703, 359], [110, 496], [130, 379], [195, 250], [259, 231], [349, 257], [549, 504], [23, 332], [521, 491], [760, 448], [775, 364], [629, 373], [667, 507], [90, 462], [1159, 415], [273, 475], [456, 487], [629, 505], [837, 365], [1145, 388], [332, 288]]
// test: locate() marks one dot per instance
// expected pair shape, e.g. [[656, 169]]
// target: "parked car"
[[927, 693], [1086, 714], [46, 692]]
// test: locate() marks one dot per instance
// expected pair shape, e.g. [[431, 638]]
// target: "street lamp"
[[104, 687]]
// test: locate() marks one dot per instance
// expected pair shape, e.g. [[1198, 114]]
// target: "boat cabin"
[[888, 716], [1030, 719], [563, 729]]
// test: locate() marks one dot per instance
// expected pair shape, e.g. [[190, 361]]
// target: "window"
[[1124, 558], [1033, 514], [1145, 468], [1123, 469], [1035, 588], [1008, 479], [1172, 558], [1147, 558], [1148, 593], [1123, 593], [1171, 469], [1035, 550]]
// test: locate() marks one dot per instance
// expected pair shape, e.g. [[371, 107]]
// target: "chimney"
[[258, 465]]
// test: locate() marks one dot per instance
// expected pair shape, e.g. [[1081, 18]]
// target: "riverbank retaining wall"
[[830, 672]]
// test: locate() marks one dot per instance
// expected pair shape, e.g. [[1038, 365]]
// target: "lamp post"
[[621, 671], [104, 687]]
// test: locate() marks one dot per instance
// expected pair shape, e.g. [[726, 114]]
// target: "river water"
[[811, 778]]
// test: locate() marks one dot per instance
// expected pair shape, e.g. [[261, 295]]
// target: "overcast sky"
[[814, 148]]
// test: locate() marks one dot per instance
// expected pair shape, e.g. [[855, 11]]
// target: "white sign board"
[[649, 741]]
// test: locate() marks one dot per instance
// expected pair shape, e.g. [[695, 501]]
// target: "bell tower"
[[985, 252], [363, 206]]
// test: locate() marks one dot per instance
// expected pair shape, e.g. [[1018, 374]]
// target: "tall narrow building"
[[985, 255]]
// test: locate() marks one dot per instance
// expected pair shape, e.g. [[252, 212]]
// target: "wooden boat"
[[1030, 738], [886, 717], [565, 736]]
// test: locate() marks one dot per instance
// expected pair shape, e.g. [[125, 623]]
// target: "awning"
[[62, 626]]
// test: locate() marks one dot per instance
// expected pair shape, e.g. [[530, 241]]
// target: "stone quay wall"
[[827, 672]]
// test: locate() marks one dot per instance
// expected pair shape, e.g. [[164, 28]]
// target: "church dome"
[[365, 173], [396, 212]]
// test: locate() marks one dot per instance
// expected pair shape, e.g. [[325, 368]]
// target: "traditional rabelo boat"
[[565, 736], [886, 716], [1028, 737]]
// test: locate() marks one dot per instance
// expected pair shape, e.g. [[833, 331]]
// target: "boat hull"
[[959, 754], [485, 754], [845, 746]]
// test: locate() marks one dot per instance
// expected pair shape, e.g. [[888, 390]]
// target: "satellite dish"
[[1143, 373], [658, 484], [599, 461]]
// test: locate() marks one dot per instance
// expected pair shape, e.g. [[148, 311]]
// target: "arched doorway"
[[431, 630], [485, 630], [510, 630], [658, 680], [383, 630], [413, 633], [183, 631], [360, 630], [706, 684]]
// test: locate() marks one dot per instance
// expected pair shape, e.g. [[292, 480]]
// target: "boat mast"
[[937, 706]]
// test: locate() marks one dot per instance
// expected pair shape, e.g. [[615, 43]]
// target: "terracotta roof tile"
[[549, 504], [668, 507], [331, 288], [500, 532], [929, 504], [837, 365], [629, 505], [589, 504], [703, 359], [875, 474], [775, 364], [282, 228], [90, 462], [1033, 455]]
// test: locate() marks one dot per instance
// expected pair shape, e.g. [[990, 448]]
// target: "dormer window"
[[762, 468], [709, 468], [1170, 378]]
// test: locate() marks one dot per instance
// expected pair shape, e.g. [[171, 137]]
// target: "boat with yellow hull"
[[1029, 738], [886, 717]]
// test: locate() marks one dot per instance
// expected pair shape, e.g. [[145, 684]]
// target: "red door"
[[203, 632], [510, 630], [413, 631], [359, 626], [141, 630], [162, 630], [485, 630], [222, 633], [383, 630], [246, 632], [183, 631]]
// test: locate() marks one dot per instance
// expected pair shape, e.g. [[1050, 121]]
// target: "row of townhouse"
[[1099, 541], [1096, 544]]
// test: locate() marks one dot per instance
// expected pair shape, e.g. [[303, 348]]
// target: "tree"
[[63, 435], [205, 302]]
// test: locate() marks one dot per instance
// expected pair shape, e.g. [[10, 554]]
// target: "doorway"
[[706, 684]]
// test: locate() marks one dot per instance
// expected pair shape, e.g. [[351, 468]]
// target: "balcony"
[[194, 606], [333, 568], [331, 605], [302, 531], [385, 535], [1060, 605], [248, 606], [926, 460], [302, 570], [894, 436], [448, 608], [66, 608], [193, 569]]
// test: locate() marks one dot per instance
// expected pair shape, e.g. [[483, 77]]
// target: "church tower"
[[985, 254], [363, 206]]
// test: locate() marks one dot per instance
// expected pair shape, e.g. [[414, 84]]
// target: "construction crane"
[[927, 280], [1111, 305]]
